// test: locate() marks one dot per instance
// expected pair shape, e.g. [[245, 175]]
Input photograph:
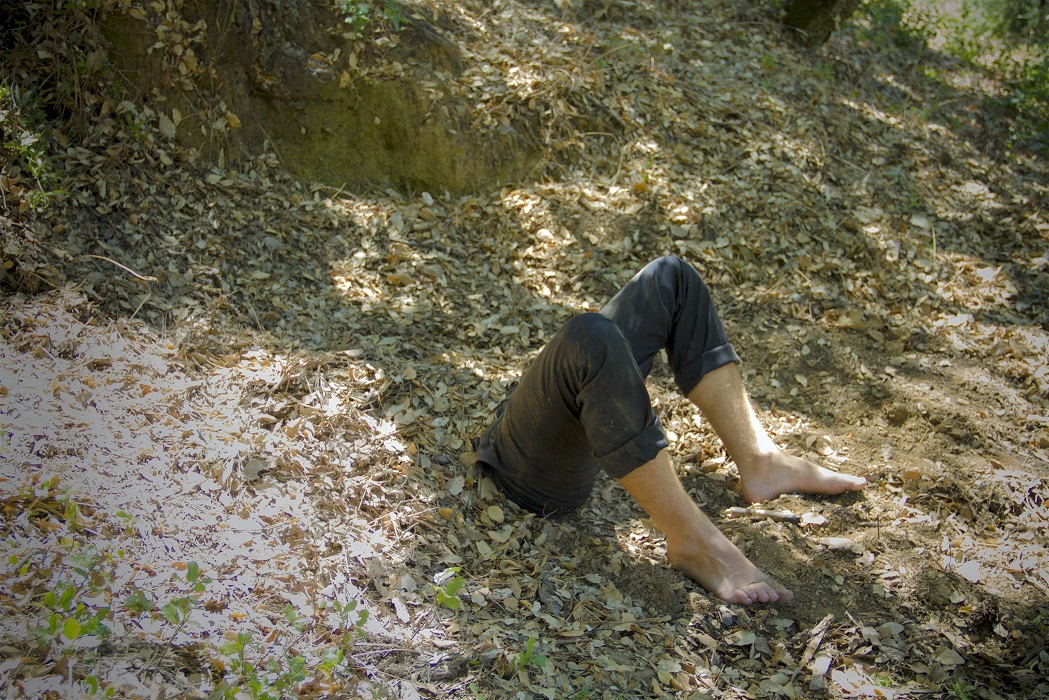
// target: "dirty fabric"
[[582, 405]]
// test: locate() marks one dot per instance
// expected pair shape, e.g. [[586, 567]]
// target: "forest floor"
[[260, 419]]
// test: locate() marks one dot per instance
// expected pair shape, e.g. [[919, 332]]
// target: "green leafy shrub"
[[27, 168]]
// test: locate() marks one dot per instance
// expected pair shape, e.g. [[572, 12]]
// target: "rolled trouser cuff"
[[640, 450], [688, 377]]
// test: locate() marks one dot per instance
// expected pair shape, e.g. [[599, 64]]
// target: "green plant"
[[295, 621], [355, 15], [129, 522], [394, 14], [74, 628], [72, 513], [1023, 18], [1013, 37], [69, 619], [74, 579], [194, 577], [528, 657], [882, 680], [1009, 38], [269, 680], [350, 628], [959, 689], [138, 603], [278, 675], [825, 71], [447, 585], [887, 22], [22, 146], [177, 612], [1028, 83]]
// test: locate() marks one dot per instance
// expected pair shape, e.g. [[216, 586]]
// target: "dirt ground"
[[281, 382]]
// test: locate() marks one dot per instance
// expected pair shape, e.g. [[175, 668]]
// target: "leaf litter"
[[290, 404]]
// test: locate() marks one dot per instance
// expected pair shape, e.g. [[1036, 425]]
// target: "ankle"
[[706, 548], [757, 464], [679, 551], [691, 546]]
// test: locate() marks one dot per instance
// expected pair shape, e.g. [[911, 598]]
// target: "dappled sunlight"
[[324, 359], [895, 83], [967, 198], [175, 470], [875, 113], [805, 155]]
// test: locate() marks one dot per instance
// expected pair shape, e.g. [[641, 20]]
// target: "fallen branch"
[[782, 516]]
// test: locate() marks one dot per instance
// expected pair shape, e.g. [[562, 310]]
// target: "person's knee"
[[592, 335], [675, 273], [669, 259], [588, 327], [670, 263], [667, 271]]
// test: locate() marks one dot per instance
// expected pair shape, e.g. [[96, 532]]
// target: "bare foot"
[[694, 544], [776, 473], [723, 570]]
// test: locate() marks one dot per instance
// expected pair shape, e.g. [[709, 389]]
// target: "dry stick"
[[146, 298], [933, 228], [782, 516], [810, 650]]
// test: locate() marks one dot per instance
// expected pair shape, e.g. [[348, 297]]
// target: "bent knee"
[[592, 335], [590, 326], [669, 260], [668, 264]]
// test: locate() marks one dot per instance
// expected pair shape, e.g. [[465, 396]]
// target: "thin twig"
[[125, 268], [141, 304]]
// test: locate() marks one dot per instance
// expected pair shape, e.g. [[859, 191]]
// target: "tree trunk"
[[814, 20]]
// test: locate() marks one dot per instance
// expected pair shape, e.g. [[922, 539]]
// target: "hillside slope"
[[239, 403]]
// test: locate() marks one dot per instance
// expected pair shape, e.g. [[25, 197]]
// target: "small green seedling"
[[528, 657], [447, 585], [138, 602], [343, 610]]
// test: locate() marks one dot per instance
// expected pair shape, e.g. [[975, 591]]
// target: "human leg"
[[765, 470], [667, 305], [580, 407], [694, 544]]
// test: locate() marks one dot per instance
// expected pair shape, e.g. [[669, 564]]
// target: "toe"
[[760, 592]]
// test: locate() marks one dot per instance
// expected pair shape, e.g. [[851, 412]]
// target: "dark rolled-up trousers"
[[582, 405]]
